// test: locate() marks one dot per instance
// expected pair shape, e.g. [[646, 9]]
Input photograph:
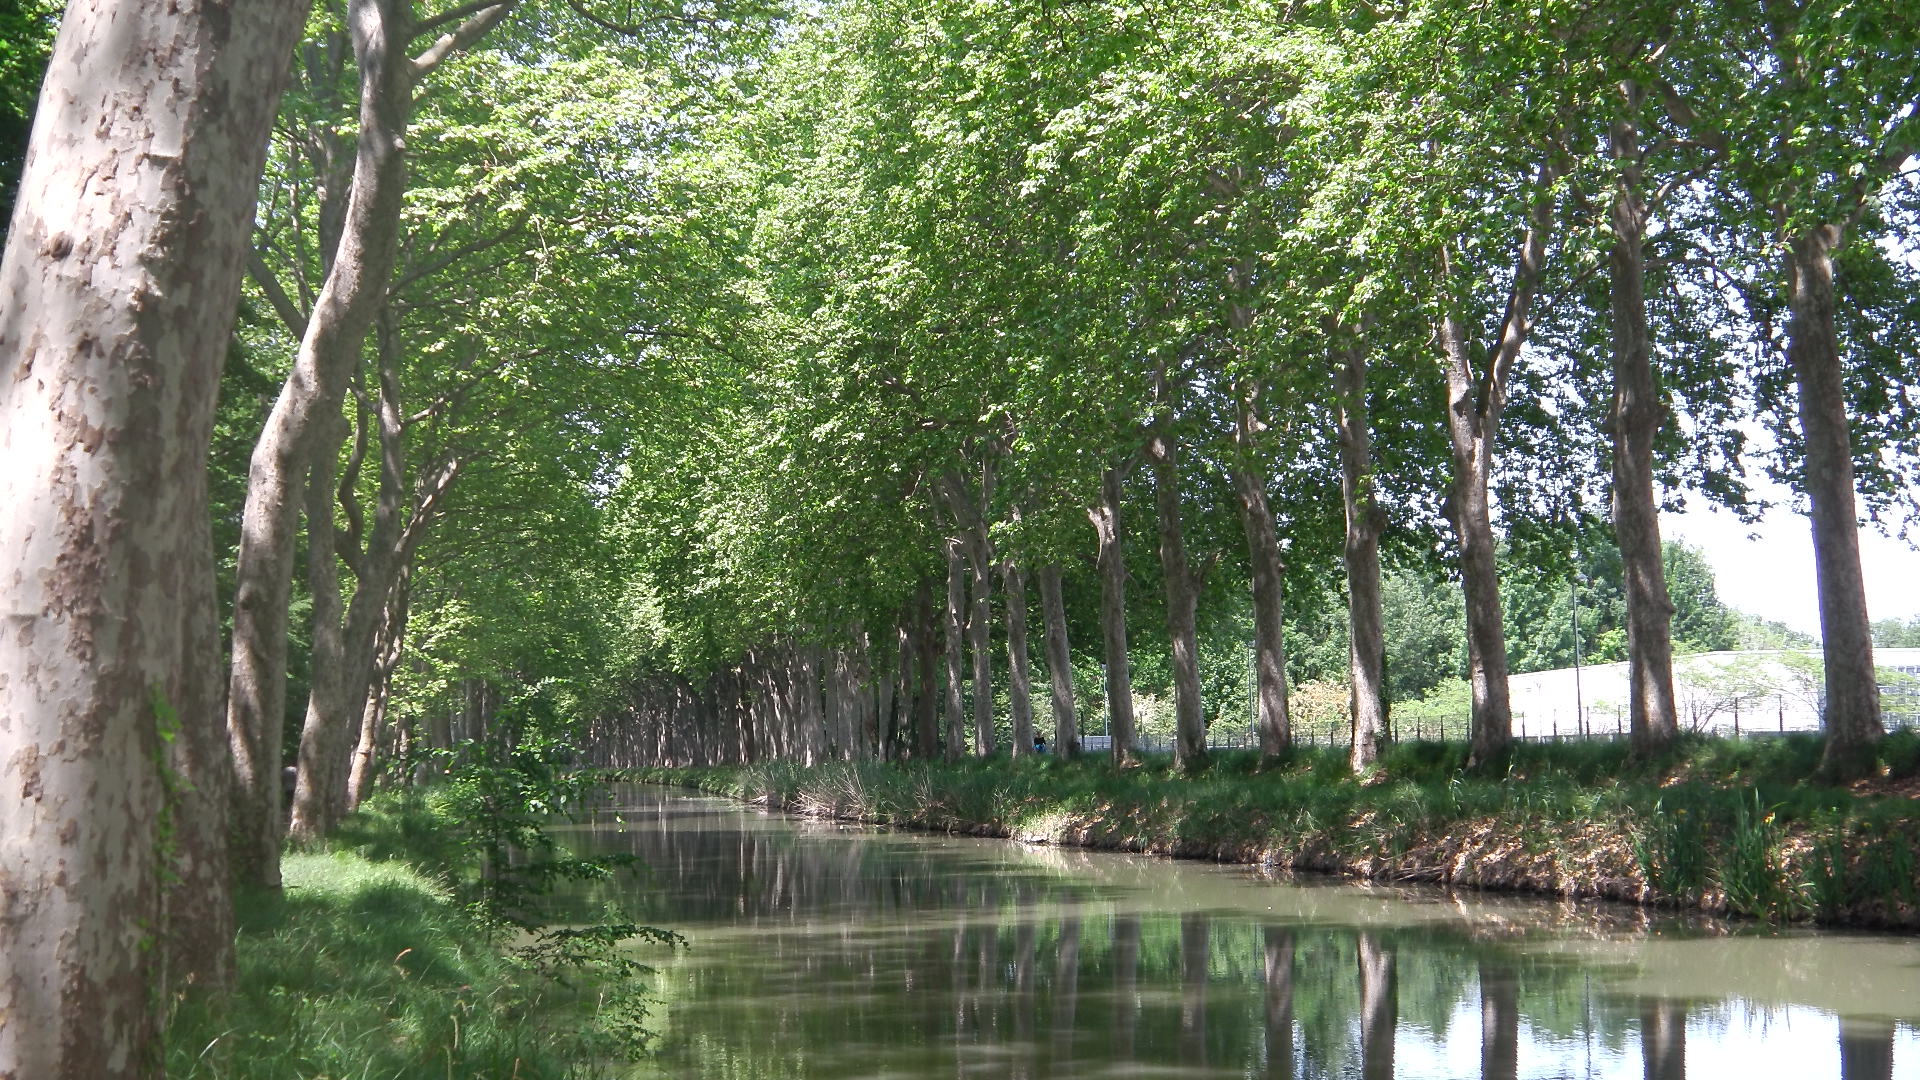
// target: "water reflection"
[[827, 952]]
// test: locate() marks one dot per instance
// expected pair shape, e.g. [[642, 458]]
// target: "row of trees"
[[677, 359], [445, 234], [1288, 294]]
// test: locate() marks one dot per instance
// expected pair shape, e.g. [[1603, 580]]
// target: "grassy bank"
[[1726, 826], [375, 963]]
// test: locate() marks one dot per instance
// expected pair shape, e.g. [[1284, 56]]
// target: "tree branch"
[[471, 30], [289, 313]]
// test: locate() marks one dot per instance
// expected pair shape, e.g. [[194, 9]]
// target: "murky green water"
[[822, 951]]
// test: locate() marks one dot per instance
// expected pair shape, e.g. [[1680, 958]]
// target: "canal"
[[825, 951]]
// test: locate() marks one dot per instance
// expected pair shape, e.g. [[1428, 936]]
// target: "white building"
[[1727, 692]]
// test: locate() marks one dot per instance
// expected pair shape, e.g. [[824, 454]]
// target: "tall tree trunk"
[[1271, 717], [1269, 614], [1367, 650], [1474, 404], [1190, 724], [956, 743], [980, 642], [926, 701], [391, 640], [197, 916], [1636, 419], [1469, 507], [117, 296], [1852, 714], [322, 735], [812, 710], [377, 561], [885, 688], [1019, 671], [344, 310], [1113, 617], [1066, 729]]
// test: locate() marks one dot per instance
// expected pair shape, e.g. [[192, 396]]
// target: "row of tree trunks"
[[348, 301]]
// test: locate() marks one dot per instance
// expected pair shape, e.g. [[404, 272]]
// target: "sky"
[[1766, 568]]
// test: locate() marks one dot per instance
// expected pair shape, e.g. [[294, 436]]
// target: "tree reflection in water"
[[824, 953]]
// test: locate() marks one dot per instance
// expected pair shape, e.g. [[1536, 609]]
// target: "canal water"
[[822, 951]]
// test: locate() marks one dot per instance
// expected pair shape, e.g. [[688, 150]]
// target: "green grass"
[[1742, 826], [369, 966]]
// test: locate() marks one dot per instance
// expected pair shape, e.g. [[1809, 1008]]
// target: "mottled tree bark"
[[197, 917], [1636, 419], [811, 709], [1019, 671], [117, 295], [1852, 714], [1113, 616], [1367, 649], [1190, 724], [1066, 728]]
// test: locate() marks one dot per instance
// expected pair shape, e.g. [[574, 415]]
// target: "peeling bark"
[[117, 295]]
